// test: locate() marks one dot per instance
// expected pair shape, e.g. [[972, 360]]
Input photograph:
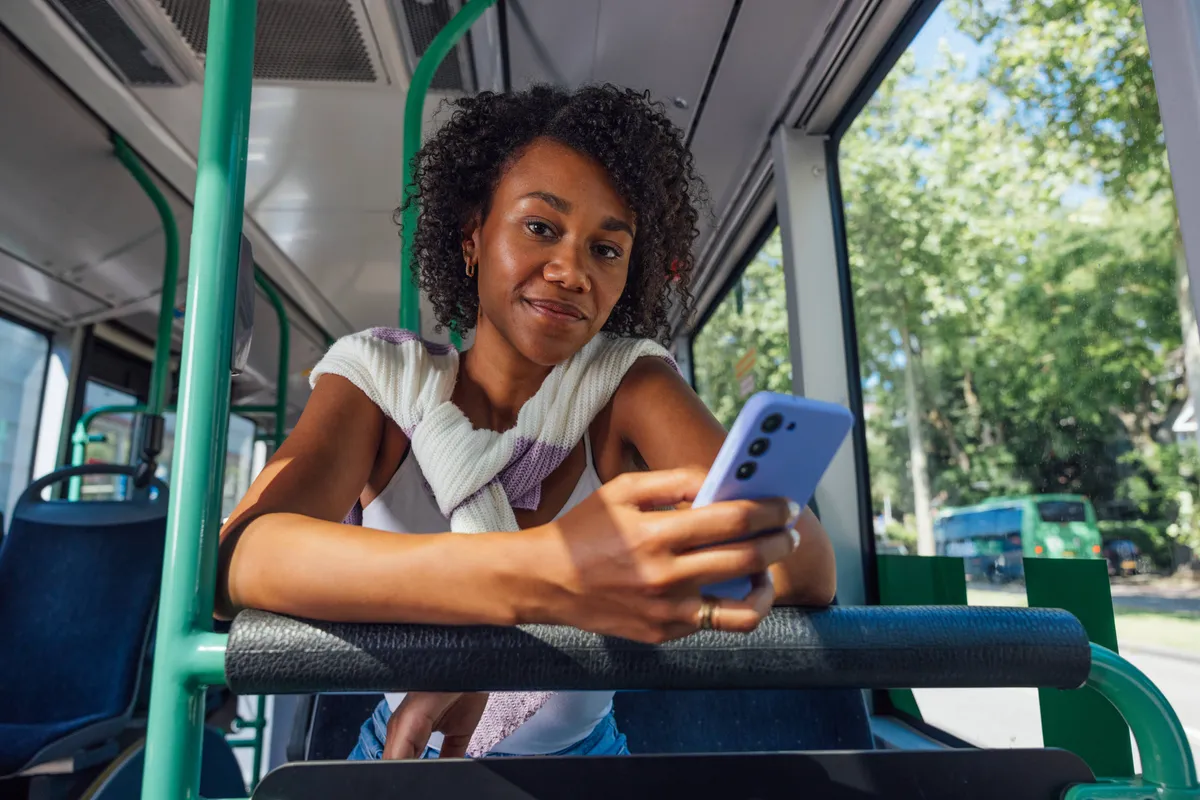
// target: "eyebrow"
[[614, 224], [565, 207]]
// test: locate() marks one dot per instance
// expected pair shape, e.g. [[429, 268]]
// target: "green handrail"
[[414, 114], [160, 373], [190, 656], [1168, 769], [285, 346], [160, 370]]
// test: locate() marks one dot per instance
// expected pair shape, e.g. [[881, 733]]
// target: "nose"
[[568, 268]]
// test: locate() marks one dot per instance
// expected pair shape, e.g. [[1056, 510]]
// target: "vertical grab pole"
[[285, 344], [258, 724], [190, 656], [414, 112]]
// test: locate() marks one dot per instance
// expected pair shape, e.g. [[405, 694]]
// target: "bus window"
[[239, 457], [742, 348], [1061, 511], [115, 446], [24, 354], [1022, 307]]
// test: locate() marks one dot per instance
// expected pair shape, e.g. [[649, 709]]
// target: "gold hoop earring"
[[470, 269]]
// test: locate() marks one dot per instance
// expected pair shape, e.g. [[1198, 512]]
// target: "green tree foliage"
[[1012, 338], [751, 318]]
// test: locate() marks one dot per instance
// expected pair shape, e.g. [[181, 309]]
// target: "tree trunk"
[[1187, 322], [916, 449]]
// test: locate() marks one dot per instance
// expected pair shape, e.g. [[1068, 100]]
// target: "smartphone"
[[779, 446]]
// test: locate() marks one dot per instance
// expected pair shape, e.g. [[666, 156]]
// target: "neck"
[[495, 380]]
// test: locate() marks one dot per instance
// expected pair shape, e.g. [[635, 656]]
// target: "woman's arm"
[[609, 566], [284, 548], [657, 413]]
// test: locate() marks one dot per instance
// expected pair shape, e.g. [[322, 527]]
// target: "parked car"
[[1123, 557]]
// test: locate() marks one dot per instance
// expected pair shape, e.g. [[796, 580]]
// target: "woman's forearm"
[[294, 564]]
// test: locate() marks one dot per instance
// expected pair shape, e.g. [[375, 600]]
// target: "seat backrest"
[[78, 587], [743, 721]]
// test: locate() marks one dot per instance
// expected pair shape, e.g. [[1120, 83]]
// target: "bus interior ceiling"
[[324, 170], [82, 245]]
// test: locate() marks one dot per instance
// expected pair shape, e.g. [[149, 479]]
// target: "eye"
[[539, 228], [607, 252]]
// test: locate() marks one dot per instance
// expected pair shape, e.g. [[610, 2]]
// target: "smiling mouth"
[[556, 311]]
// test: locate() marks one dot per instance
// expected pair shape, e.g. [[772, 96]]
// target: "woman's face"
[[553, 254]]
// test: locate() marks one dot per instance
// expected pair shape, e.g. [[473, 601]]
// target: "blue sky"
[[941, 26]]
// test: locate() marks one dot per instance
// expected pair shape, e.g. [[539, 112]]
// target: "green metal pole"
[[258, 724], [1168, 769], [253, 409], [285, 345], [414, 113], [161, 371], [191, 657]]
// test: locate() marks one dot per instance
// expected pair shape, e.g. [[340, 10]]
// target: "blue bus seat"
[[79, 586]]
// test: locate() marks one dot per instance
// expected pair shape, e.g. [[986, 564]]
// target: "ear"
[[471, 238]]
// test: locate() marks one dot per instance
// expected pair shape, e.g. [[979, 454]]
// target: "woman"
[[559, 226]]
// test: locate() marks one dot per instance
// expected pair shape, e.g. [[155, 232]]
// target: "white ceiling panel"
[[52, 298]]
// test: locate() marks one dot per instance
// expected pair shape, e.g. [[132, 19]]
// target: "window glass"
[[23, 356], [1024, 320], [111, 441], [743, 347], [239, 455], [1061, 511]]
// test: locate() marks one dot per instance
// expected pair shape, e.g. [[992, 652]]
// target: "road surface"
[[1010, 717]]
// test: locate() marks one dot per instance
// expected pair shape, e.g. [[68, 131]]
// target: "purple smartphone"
[[779, 446]]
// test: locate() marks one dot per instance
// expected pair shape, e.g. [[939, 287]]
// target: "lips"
[[555, 310]]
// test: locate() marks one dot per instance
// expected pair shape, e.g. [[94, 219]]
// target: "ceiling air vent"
[[295, 40], [421, 20], [120, 34]]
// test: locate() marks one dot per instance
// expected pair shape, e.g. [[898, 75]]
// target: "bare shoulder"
[[655, 420]]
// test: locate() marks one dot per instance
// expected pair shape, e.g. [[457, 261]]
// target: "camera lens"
[[772, 423], [758, 447], [746, 470]]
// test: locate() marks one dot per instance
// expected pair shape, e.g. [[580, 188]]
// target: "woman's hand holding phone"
[[614, 565]]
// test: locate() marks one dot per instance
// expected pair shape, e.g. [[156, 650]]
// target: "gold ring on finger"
[[708, 610]]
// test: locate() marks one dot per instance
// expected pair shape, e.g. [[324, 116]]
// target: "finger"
[[656, 489], [724, 522], [728, 561], [407, 737], [732, 616], [455, 746]]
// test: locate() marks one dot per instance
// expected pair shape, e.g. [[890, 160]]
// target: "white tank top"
[[407, 505]]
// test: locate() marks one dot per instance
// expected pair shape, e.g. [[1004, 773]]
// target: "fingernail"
[[795, 538], [793, 512]]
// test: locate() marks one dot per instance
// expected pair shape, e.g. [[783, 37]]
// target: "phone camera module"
[[772, 423], [746, 470], [758, 447]]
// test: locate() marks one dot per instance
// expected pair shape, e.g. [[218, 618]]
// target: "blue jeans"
[[604, 740]]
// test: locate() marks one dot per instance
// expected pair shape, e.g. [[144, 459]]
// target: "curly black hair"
[[458, 169]]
